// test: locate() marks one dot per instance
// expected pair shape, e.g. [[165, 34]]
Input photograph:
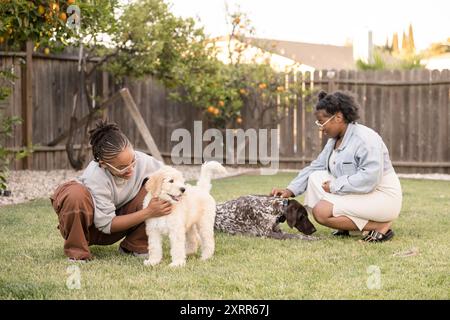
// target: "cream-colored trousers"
[[381, 205]]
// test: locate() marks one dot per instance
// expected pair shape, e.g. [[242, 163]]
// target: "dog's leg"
[[206, 233], [192, 240], [178, 247], [154, 248]]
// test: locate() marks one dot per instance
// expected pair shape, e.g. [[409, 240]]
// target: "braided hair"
[[337, 101], [107, 141]]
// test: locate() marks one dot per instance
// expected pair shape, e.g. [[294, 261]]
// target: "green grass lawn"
[[33, 265]]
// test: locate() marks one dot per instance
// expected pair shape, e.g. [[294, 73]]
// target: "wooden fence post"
[[27, 102], [140, 123]]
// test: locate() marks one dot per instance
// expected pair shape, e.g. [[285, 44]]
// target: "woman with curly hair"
[[104, 204], [352, 184]]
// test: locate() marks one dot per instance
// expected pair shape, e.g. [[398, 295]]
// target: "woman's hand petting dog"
[[283, 193], [158, 208]]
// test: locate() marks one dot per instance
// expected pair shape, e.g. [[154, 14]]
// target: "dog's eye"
[[171, 180]]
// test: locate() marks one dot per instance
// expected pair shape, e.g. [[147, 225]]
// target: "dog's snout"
[[182, 189]]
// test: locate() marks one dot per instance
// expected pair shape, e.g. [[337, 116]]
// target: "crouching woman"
[[352, 184]]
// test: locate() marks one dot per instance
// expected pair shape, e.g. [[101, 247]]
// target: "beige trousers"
[[381, 205]]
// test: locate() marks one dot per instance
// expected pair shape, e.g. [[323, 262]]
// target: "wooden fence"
[[410, 110]]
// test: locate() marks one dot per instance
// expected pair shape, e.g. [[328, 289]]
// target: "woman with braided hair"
[[352, 184], [104, 204]]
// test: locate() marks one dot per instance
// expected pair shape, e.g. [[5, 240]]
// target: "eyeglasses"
[[321, 125], [124, 170]]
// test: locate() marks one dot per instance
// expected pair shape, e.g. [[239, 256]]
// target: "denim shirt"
[[361, 161]]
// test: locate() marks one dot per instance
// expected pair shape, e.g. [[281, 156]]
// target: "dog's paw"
[[151, 262], [206, 256], [177, 264], [190, 251]]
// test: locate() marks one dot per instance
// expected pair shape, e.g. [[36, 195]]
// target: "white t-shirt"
[[109, 192]]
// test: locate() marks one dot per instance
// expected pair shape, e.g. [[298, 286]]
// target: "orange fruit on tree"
[[221, 103], [211, 109], [63, 16], [239, 120], [262, 85], [47, 51], [216, 111], [243, 91], [280, 89], [69, 2]]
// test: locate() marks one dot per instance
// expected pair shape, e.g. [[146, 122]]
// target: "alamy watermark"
[[230, 146], [374, 280], [73, 281], [74, 17]]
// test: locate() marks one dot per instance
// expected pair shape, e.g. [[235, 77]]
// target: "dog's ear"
[[154, 183], [297, 216], [291, 215], [303, 224]]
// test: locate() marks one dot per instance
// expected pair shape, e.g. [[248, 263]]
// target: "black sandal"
[[375, 236], [341, 233]]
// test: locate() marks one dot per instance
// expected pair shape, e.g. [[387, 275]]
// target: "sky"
[[326, 21]]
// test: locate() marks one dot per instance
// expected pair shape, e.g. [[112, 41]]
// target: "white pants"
[[381, 205]]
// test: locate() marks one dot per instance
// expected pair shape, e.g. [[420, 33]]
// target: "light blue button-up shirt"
[[361, 161]]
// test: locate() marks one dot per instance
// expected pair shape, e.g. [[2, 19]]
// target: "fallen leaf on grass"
[[409, 253]]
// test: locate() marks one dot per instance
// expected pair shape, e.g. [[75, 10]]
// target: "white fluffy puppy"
[[192, 216]]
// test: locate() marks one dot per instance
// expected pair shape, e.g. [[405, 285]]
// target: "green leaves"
[[45, 22], [7, 125]]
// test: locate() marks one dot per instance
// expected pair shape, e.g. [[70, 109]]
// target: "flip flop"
[[341, 233], [375, 236]]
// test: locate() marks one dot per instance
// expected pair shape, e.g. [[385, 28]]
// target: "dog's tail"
[[208, 168]]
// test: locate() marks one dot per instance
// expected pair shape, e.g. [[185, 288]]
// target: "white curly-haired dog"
[[192, 216]]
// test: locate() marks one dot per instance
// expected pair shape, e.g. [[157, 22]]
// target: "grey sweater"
[[109, 193]]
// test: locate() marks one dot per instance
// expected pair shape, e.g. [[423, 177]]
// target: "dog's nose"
[[182, 190]]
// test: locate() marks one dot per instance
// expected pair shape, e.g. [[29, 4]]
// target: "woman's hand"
[[326, 186], [283, 193], [158, 208]]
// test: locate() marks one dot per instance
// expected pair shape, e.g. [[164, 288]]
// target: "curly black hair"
[[107, 141], [344, 102]]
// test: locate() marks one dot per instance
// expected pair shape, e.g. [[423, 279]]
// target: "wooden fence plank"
[[446, 106], [140, 123], [437, 124], [385, 112], [414, 119], [27, 102], [424, 115], [395, 102], [300, 151], [289, 105]]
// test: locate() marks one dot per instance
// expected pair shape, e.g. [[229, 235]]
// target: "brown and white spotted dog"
[[260, 215]]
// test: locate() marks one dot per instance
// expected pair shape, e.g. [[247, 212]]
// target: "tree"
[[7, 126], [395, 48], [53, 25], [247, 81], [411, 46], [138, 39], [405, 44]]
